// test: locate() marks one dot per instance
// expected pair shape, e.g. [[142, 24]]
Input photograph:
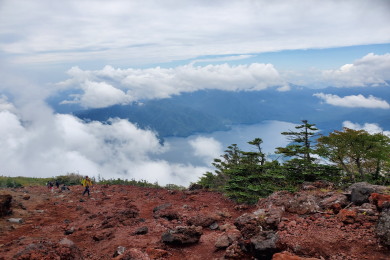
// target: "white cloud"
[[369, 127], [147, 31], [207, 148], [99, 94], [370, 70], [137, 84], [5, 105], [354, 101], [56, 144]]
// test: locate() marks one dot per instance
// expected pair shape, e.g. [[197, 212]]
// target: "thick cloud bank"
[[150, 31], [372, 70], [59, 144], [354, 101], [111, 86]]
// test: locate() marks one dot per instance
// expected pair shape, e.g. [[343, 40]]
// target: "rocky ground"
[[127, 222]]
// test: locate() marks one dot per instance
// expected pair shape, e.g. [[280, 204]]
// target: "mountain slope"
[[212, 110]]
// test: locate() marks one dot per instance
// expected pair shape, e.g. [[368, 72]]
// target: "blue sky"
[[119, 51]]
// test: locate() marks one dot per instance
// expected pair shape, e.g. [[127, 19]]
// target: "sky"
[[103, 53]]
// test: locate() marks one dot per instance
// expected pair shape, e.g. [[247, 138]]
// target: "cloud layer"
[[150, 31], [111, 86], [371, 70], [60, 144], [354, 101]]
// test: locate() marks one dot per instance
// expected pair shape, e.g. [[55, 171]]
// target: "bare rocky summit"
[[128, 222]]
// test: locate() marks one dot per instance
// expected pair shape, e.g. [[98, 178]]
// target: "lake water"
[[180, 150]]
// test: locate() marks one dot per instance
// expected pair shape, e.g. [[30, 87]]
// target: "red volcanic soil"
[[128, 222], [100, 227]]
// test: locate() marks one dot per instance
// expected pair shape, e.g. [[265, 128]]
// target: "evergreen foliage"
[[354, 155], [361, 155]]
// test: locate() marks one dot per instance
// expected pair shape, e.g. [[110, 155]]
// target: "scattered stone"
[[383, 227], [264, 244], [214, 226], [141, 231], [5, 204], [248, 224], [132, 254], [335, 202], [65, 249], [380, 200], [202, 220], [167, 214], [195, 186], [226, 227], [367, 209], [69, 231], [227, 238], [361, 191], [302, 203], [273, 217], [347, 216], [234, 251], [66, 242], [119, 251], [26, 197], [130, 212], [182, 235], [15, 220]]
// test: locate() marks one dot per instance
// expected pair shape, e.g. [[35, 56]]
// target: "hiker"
[[50, 186], [86, 183], [57, 184]]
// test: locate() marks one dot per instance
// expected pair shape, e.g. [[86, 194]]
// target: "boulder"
[[347, 216], [263, 245], [203, 220], [248, 224], [182, 235], [302, 203], [335, 201], [130, 212], [165, 211], [278, 198], [234, 251], [273, 217], [195, 186], [383, 227], [227, 238], [361, 191], [5, 204], [141, 231], [380, 200]]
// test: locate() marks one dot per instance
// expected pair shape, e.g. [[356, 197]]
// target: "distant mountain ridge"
[[213, 110]]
